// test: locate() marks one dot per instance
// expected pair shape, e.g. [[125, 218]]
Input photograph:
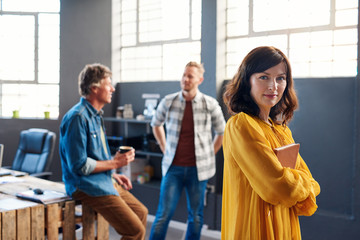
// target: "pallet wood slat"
[[69, 224], [9, 225], [52, 221], [23, 223], [88, 221], [38, 222], [102, 227], [34, 221]]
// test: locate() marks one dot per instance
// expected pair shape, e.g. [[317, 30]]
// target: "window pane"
[[345, 68], [346, 17], [141, 63], [321, 54], [17, 36], [300, 69], [127, 5], [31, 100], [321, 38], [150, 47], [160, 20], [290, 14], [321, 69], [148, 23], [318, 40], [265, 21], [237, 18], [236, 51], [300, 40], [196, 20], [347, 36], [341, 4], [299, 55], [29, 55], [31, 6], [184, 52], [172, 11], [345, 53], [49, 49], [128, 16]]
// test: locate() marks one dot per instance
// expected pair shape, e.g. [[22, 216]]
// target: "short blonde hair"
[[199, 66]]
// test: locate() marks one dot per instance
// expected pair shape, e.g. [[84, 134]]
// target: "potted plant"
[[16, 113], [47, 112]]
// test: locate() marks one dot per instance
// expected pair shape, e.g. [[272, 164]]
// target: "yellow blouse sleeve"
[[308, 206], [252, 152]]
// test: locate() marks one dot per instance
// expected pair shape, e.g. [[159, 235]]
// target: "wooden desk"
[[35, 220]]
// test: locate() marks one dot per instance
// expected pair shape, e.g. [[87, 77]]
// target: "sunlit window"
[[154, 39], [30, 58], [319, 37]]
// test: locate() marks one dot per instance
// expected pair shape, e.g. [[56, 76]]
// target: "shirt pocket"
[[95, 141]]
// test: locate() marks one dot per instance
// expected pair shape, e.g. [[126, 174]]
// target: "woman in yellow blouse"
[[262, 199]]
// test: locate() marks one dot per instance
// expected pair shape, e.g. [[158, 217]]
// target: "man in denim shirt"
[[87, 163], [189, 150]]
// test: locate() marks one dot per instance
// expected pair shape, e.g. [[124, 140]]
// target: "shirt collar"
[[196, 98], [90, 107]]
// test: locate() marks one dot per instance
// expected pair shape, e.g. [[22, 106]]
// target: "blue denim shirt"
[[80, 147]]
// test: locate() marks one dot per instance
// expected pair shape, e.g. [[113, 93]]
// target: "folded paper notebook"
[[47, 197], [287, 154]]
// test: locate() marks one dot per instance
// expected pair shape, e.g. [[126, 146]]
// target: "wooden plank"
[[23, 223], [102, 227], [38, 222], [88, 219], [69, 221], [52, 221], [9, 225], [30, 182]]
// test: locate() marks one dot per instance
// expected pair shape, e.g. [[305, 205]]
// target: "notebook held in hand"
[[287, 154]]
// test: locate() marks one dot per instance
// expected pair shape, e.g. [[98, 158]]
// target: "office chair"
[[35, 152]]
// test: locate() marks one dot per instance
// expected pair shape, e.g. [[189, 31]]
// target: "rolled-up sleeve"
[[89, 166]]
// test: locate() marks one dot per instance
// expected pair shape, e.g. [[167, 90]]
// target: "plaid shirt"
[[207, 115]]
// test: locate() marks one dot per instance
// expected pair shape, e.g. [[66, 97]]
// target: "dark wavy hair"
[[90, 76], [237, 93]]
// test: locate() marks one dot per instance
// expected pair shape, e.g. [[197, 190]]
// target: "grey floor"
[[176, 231]]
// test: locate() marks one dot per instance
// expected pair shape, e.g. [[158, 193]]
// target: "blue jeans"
[[172, 185]]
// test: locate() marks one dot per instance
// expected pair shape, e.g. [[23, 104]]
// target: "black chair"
[[35, 152]]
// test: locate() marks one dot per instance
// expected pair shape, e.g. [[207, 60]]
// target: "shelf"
[[127, 120], [145, 153]]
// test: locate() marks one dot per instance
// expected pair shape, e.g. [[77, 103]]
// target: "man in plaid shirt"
[[189, 150]]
